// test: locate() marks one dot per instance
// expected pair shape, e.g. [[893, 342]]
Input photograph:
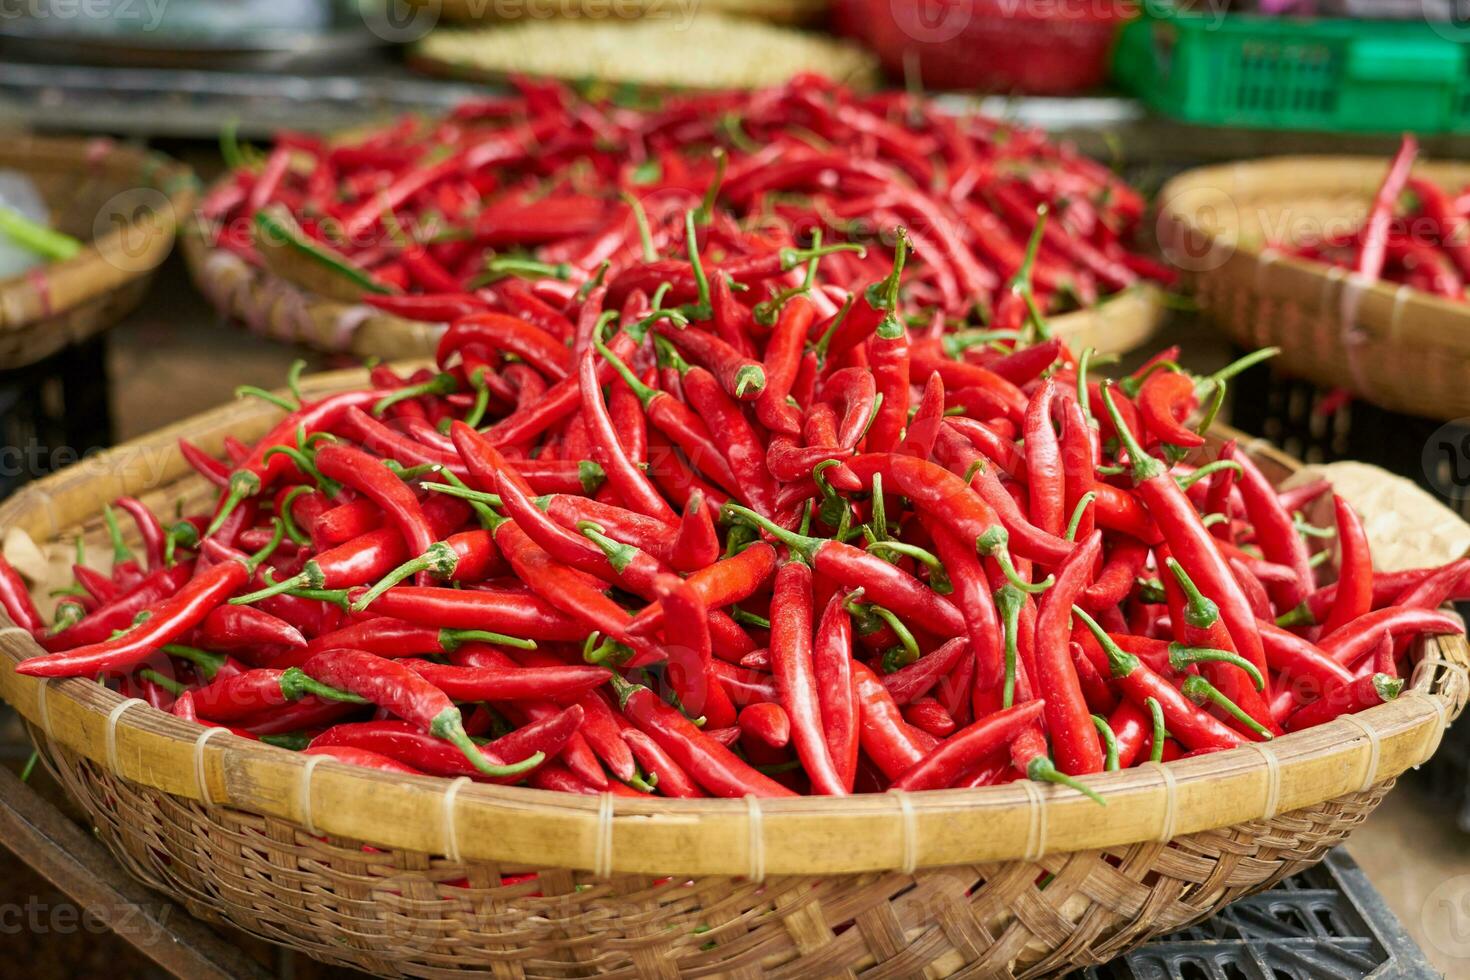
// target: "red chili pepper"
[[923, 428], [767, 723], [167, 621], [498, 332], [444, 307], [782, 357], [1045, 476], [1166, 399], [16, 599], [688, 648], [1186, 722], [367, 475], [1376, 228], [623, 475], [1068, 721], [204, 464], [118, 614], [392, 686], [513, 613], [149, 529], [1373, 688], [671, 778], [857, 569], [412, 746], [503, 684], [969, 748], [230, 627], [1355, 640], [908, 684], [891, 743], [1355, 569], [363, 757], [948, 498], [1189, 541], [241, 696], [714, 767], [796, 683], [1275, 532], [742, 448]]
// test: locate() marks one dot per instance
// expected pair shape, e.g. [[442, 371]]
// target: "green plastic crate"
[[1285, 73]]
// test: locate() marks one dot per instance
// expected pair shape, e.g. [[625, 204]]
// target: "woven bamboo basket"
[[491, 11], [412, 876], [271, 305], [123, 203], [1395, 346]]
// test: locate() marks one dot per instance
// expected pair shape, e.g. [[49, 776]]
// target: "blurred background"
[[1149, 90]]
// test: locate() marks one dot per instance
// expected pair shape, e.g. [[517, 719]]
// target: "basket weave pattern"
[[1395, 346], [409, 876], [403, 913]]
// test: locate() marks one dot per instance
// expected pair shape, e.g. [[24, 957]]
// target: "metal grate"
[[1327, 923]]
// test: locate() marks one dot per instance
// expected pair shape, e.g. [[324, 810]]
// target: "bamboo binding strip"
[[693, 837], [1393, 345]]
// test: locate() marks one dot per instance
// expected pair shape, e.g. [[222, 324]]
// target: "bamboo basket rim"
[[89, 273], [471, 821], [1399, 311]]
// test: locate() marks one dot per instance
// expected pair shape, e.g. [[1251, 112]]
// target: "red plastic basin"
[[1044, 47]]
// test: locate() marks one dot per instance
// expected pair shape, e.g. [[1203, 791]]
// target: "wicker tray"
[[1392, 345], [487, 11], [270, 305], [408, 876], [124, 204]]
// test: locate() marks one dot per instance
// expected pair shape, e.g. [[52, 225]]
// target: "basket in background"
[[123, 204], [1397, 347], [413, 876]]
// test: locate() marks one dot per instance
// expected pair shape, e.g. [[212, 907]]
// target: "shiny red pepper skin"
[[1166, 399], [236, 627], [410, 745], [715, 768], [15, 599], [949, 499], [499, 611], [367, 475], [792, 666], [891, 743], [498, 332], [968, 748], [501, 684], [673, 781], [1355, 570], [836, 688], [368, 759], [742, 448], [626, 479], [1068, 720], [168, 621]]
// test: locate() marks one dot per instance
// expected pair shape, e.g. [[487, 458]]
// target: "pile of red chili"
[[1415, 233], [674, 537], [515, 202]]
